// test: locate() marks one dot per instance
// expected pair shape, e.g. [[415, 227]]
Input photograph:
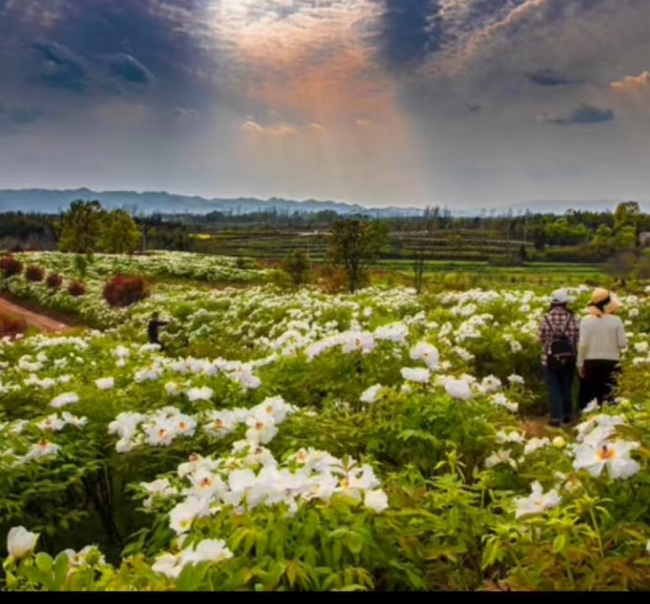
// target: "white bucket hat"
[[560, 296]]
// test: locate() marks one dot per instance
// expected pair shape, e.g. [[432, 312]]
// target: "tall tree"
[[627, 214], [354, 246], [81, 226], [119, 233]]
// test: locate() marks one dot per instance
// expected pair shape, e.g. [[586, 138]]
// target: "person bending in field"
[[558, 334], [602, 338], [153, 329]]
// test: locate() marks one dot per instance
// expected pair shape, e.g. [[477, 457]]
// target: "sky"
[[465, 103]]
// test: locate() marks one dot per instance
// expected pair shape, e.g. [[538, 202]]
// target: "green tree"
[[418, 270], [354, 246], [625, 239], [297, 266], [81, 226], [119, 233], [627, 214]]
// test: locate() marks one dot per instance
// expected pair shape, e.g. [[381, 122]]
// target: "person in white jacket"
[[602, 338]]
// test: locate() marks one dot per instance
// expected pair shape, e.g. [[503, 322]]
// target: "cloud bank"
[[386, 102]]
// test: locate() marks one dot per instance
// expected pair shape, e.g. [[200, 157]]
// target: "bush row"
[[120, 291]]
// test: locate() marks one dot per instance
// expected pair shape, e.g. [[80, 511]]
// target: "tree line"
[[576, 236]]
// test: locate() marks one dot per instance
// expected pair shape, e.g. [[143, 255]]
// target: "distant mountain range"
[[561, 207], [54, 201]]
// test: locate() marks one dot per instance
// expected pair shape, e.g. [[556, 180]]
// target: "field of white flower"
[[303, 441]]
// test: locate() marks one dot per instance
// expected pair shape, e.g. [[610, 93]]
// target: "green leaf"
[[558, 544], [291, 573], [35, 576], [353, 543], [11, 580], [336, 553], [60, 570], [44, 563]]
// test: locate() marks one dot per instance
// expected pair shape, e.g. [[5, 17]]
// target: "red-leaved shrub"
[[11, 325], [76, 289], [34, 273], [54, 281], [123, 290], [10, 266]]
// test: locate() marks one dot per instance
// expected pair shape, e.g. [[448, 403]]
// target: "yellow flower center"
[[259, 426], [606, 453]]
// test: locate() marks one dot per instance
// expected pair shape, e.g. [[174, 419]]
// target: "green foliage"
[[453, 470], [297, 266], [81, 227], [119, 233], [354, 246]]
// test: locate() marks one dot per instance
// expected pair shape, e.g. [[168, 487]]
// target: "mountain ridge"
[[54, 200]]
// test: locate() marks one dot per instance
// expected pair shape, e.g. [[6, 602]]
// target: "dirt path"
[[33, 319]]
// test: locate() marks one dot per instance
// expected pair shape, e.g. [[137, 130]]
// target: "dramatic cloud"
[[61, 67], [547, 77], [129, 69], [633, 85], [584, 114], [383, 102], [410, 29]]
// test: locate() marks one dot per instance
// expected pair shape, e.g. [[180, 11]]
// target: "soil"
[[38, 320]]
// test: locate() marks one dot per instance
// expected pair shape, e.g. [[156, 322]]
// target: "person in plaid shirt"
[[560, 322]]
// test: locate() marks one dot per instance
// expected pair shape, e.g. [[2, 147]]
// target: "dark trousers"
[[157, 341], [560, 390], [600, 381]]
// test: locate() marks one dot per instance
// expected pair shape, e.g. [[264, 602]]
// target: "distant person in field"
[[558, 334], [154, 327], [602, 338]]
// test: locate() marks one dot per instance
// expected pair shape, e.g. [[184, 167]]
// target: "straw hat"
[[600, 295]]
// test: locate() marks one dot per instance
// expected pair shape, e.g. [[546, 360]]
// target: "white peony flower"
[[183, 515], [20, 542], [427, 353], [536, 443], [105, 383], [458, 389], [420, 376], [370, 395], [376, 500], [614, 456], [200, 394], [537, 502], [68, 398]]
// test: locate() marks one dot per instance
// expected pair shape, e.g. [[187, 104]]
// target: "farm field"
[[274, 244], [297, 440]]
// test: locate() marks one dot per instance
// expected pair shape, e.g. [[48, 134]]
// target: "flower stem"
[[600, 541]]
